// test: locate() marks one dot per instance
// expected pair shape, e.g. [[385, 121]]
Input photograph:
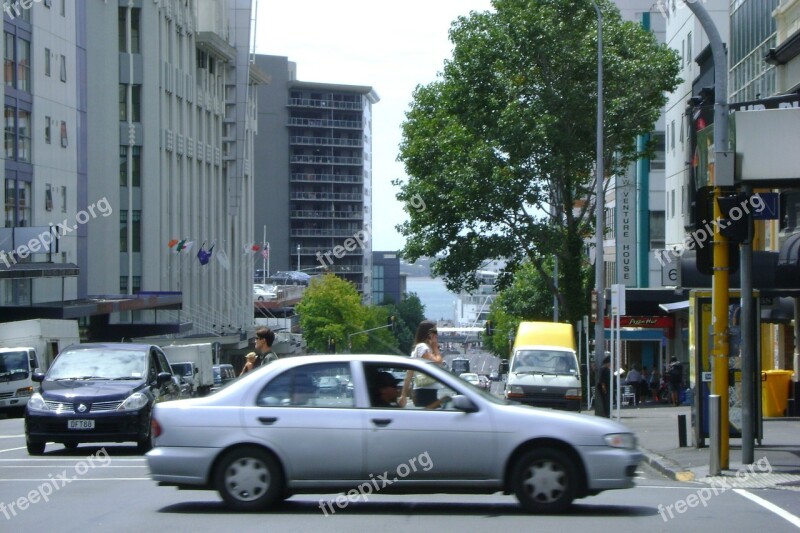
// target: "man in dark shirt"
[[385, 391], [264, 339], [603, 390]]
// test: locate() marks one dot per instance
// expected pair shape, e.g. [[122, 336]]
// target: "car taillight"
[[155, 428]]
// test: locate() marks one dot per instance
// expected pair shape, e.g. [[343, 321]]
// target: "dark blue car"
[[99, 393]]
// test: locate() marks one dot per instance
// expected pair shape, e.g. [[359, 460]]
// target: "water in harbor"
[[438, 301]]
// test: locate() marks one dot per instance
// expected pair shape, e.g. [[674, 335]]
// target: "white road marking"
[[84, 479], [12, 449], [786, 515]]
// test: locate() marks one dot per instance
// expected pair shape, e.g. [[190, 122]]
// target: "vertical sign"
[[625, 230]]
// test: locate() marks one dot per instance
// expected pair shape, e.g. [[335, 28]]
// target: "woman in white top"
[[426, 346]]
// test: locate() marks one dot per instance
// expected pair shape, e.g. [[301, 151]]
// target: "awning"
[[674, 307]]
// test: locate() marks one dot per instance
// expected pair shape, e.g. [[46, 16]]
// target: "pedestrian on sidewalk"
[[602, 390], [675, 378], [655, 384]]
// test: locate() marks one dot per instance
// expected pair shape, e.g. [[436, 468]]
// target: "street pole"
[[723, 177], [264, 262], [747, 351], [298, 258], [599, 274]]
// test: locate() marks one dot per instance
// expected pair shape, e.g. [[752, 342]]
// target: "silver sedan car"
[[275, 432]]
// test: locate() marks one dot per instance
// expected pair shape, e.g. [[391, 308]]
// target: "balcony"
[[325, 141], [326, 160], [309, 232], [300, 177], [325, 123], [325, 104], [348, 215], [340, 196]]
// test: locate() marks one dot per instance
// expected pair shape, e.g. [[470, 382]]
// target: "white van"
[[16, 387], [544, 370]]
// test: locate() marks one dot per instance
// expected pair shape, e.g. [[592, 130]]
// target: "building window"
[[135, 17], [47, 129], [64, 140], [657, 230], [48, 197], [11, 132], [136, 103], [136, 164], [63, 8], [63, 68], [63, 198], [123, 166], [689, 48], [122, 29], [135, 229], [123, 102], [9, 60], [18, 210], [23, 135], [47, 62], [23, 65]]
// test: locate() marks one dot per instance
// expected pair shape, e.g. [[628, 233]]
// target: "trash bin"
[[775, 392]]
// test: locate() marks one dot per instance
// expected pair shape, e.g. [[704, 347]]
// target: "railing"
[[327, 214], [325, 104], [327, 178], [324, 123], [325, 141], [323, 232], [326, 160], [354, 197]]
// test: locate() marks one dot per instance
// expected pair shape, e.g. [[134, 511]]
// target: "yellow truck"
[[544, 371]]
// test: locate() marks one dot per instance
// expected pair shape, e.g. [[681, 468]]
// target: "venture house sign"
[[625, 234]]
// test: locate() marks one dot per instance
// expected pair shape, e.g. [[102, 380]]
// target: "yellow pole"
[[719, 320]]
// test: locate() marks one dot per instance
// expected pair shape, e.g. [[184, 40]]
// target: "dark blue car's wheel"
[[34, 447]]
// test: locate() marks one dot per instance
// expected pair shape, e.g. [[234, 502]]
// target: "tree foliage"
[[500, 148], [331, 309]]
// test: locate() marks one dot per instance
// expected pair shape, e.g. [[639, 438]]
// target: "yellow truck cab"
[[544, 370]]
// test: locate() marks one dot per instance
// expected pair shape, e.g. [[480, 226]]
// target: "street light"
[[298, 257], [599, 274]]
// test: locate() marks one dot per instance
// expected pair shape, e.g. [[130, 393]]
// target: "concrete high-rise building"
[[41, 168], [314, 148], [169, 130]]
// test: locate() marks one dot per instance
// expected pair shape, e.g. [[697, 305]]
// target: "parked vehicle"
[[273, 433], [185, 373], [264, 292], [45, 335], [544, 367], [98, 393], [201, 356], [223, 374], [16, 386], [483, 382]]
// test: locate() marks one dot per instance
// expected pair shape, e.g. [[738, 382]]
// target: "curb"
[[667, 467]]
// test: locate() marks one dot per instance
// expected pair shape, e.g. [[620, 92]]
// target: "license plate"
[[80, 424]]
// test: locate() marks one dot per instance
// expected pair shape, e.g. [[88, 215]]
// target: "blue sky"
[[391, 47]]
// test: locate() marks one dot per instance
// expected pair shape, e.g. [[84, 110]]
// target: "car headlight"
[[25, 391], [515, 389], [37, 402], [134, 402], [621, 440]]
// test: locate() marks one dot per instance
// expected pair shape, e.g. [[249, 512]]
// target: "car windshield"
[[98, 363], [544, 361], [13, 366]]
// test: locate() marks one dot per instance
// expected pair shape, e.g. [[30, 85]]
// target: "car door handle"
[[267, 420], [382, 422]]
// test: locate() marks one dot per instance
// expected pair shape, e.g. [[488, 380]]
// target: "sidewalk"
[[777, 459]]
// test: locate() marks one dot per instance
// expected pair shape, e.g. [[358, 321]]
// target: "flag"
[[172, 242], [184, 246], [204, 256], [222, 257], [250, 248], [265, 253]]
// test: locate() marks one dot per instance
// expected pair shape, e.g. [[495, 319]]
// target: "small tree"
[[331, 309]]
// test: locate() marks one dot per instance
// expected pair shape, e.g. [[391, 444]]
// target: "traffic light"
[[736, 220], [390, 322], [488, 328], [701, 239]]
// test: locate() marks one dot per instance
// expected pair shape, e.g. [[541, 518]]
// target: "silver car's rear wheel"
[[249, 479], [545, 481]]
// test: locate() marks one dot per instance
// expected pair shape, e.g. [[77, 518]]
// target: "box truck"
[[543, 370], [201, 357]]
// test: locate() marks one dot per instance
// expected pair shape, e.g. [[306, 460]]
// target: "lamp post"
[[599, 274], [298, 257]]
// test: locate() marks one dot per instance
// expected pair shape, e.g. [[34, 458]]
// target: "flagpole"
[[264, 262]]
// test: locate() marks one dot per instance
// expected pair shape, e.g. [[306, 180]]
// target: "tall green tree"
[[331, 309], [410, 312], [500, 148]]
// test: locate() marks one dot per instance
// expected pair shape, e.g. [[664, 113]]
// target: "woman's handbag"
[[422, 380]]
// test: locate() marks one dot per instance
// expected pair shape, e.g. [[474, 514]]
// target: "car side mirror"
[[38, 377], [163, 377], [462, 403]]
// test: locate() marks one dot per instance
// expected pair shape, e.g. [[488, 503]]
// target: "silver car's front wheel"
[[249, 479], [545, 481]]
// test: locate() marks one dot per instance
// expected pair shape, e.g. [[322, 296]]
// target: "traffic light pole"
[[723, 177]]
